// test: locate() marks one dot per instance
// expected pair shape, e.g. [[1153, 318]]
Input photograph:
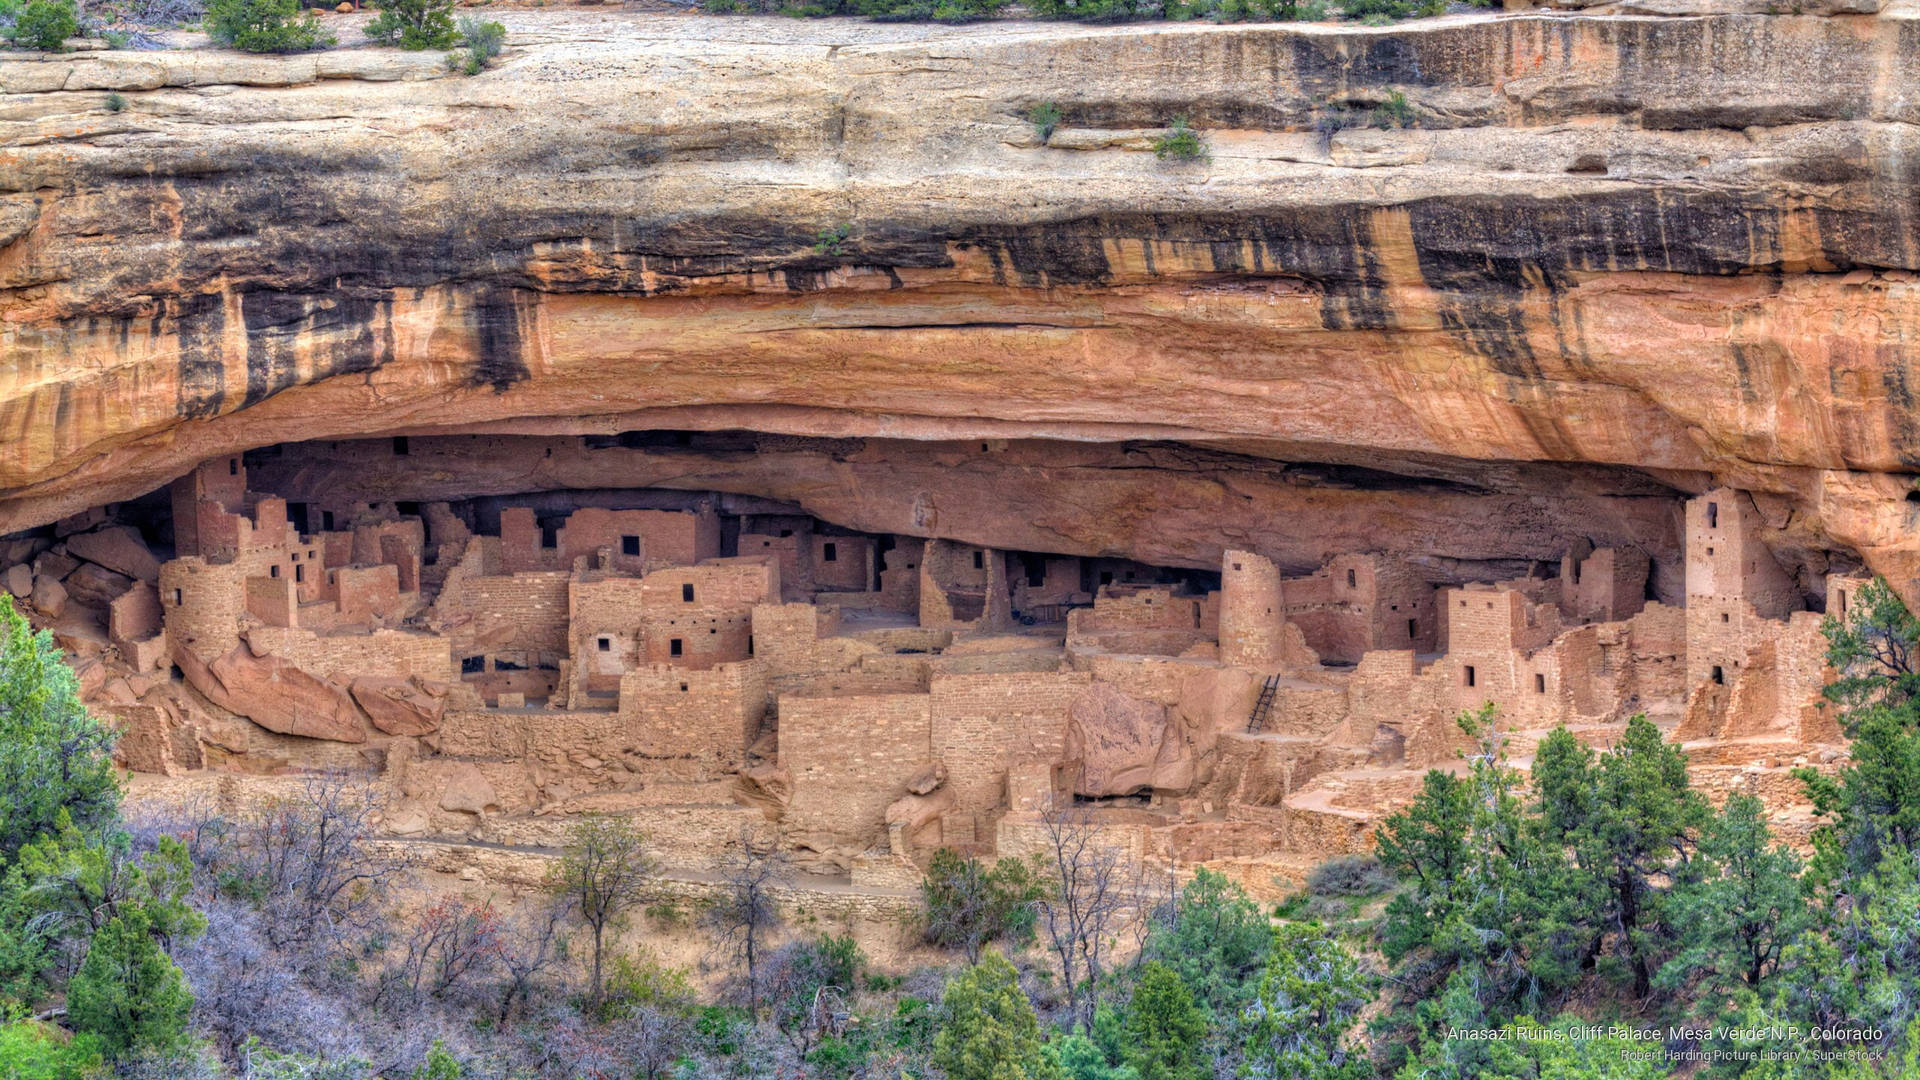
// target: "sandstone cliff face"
[[1665, 252]]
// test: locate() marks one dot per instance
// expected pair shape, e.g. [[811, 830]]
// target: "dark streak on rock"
[[495, 317]]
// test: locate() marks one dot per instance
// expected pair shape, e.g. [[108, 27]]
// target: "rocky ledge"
[[1608, 253]]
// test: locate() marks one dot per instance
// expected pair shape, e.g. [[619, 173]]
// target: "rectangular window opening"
[[1469, 673], [629, 545], [1713, 515], [1539, 684], [1719, 676], [1413, 627], [979, 560], [686, 594], [829, 553], [1352, 581], [676, 647], [606, 644]]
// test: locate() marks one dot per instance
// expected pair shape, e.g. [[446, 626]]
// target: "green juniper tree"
[[53, 754], [128, 991], [1216, 942], [1738, 912], [1305, 1008], [1165, 1030], [967, 905], [1645, 819], [990, 1031], [1860, 963]]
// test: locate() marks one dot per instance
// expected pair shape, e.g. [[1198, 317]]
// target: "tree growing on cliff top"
[[414, 24], [265, 26], [603, 871]]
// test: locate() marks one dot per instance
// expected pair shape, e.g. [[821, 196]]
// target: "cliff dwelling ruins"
[[718, 663]]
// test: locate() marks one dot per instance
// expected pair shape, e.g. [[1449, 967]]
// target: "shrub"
[[1164, 1027], [1349, 875], [116, 103], [989, 1030], [1334, 119], [948, 11], [1180, 143], [831, 241], [967, 905], [1222, 11], [414, 24], [1098, 10], [1045, 118], [44, 25], [480, 42], [30, 1050], [1379, 11], [1395, 112], [265, 26], [1216, 942]]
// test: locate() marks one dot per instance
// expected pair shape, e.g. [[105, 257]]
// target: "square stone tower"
[[1734, 586]]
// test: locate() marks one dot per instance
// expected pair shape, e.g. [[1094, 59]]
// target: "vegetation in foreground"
[[1595, 918]]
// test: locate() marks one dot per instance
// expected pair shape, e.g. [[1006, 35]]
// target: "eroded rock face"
[[1586, 252]]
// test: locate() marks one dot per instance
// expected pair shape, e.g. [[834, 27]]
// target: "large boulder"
[[49, 596], [468, 791], [275, 694], [118, 548], [1122, 744], [19, 580], [96, 587], [401, 706]]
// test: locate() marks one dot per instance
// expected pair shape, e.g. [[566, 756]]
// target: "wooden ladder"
[[1264, 706]]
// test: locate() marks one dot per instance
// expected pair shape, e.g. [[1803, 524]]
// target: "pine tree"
[[1739, 911], [1425, 845], [128, 991], [53, 755], [1216, 942], [990, 1030], [1307, 1003], [1165, 1028], [1646, 816]]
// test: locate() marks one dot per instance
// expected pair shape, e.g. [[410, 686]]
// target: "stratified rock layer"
[[1679, 244]]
